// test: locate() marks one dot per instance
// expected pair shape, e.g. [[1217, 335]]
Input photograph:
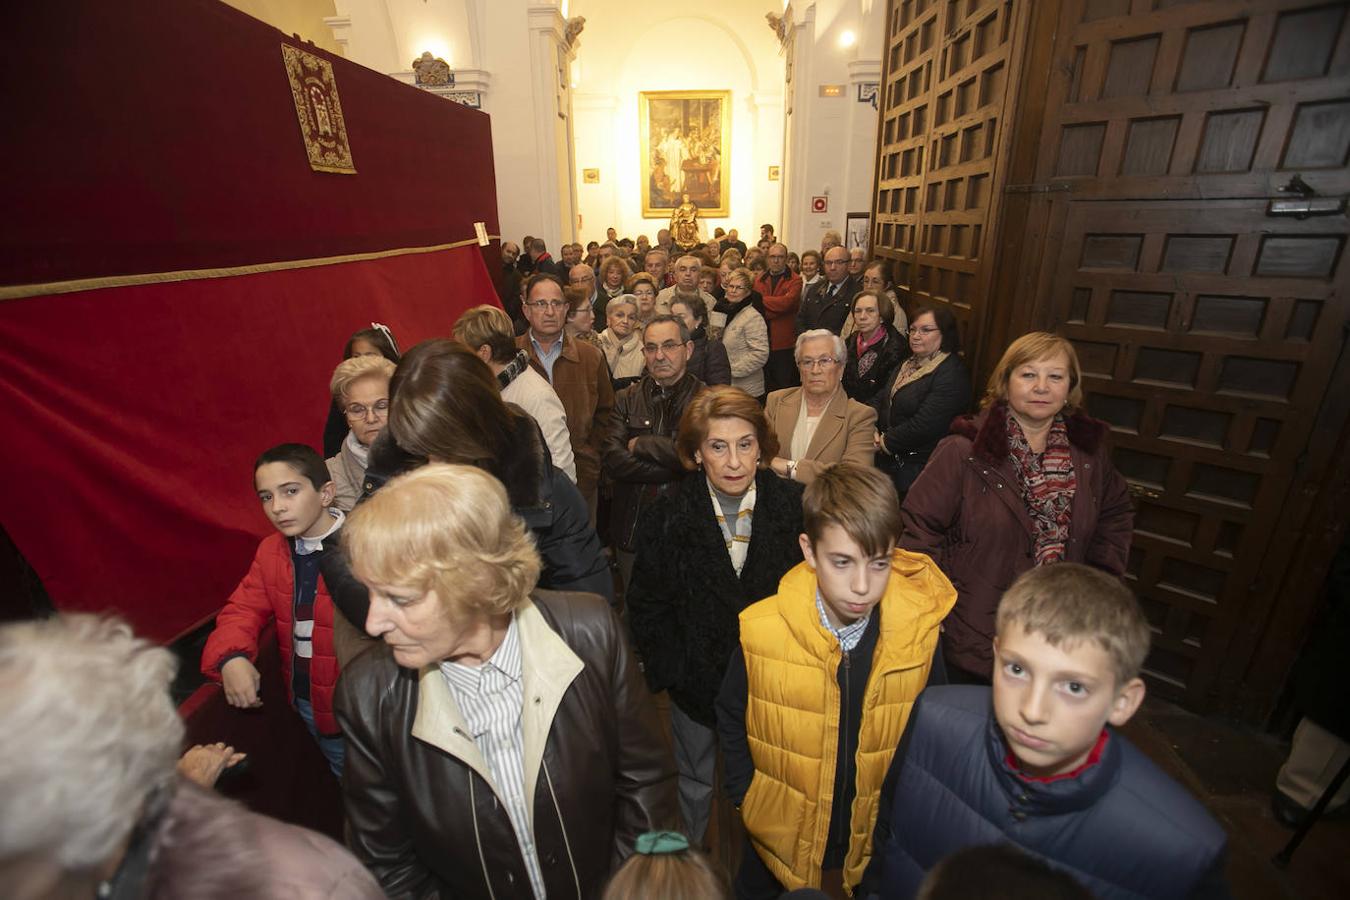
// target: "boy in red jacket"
[[284, 584]]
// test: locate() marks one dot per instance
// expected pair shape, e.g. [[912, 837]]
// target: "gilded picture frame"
[[686, 149]]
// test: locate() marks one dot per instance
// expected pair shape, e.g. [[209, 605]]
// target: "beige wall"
[[302, 17], [693, 45]]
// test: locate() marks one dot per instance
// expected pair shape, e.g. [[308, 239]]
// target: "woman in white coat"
[[745, 335]]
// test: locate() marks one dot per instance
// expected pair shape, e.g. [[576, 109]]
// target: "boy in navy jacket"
[[1035, 761]]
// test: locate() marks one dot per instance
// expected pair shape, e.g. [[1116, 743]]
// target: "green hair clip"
[[656, 843]]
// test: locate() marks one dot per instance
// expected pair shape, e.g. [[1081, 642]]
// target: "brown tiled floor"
[[1232, 771]]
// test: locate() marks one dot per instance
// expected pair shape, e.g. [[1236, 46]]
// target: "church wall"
[[302, 17], [505, 51], [702, 45], [832, 140]]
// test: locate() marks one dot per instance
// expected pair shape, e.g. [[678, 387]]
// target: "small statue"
[[684, 224]]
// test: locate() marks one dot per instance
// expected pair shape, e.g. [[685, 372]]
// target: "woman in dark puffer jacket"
[[445, 407]]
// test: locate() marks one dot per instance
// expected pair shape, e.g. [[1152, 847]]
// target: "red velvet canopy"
[[161, 137]]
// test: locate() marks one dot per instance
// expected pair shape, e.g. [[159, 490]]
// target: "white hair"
[[89, 737], [840, 350]]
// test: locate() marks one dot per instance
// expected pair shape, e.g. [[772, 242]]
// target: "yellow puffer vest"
[[792, 713]]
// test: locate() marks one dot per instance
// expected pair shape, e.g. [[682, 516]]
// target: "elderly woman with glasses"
[[719, 542], [746, 334], [818, 424], [360, 388], [917, 404], [500, 742]]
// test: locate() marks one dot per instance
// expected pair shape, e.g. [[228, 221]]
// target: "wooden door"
[[1208, 327], [947, 88]]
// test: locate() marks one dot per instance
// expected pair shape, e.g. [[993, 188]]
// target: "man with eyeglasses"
[[583, 276], [578, 373], [827, 302], [687, 268], [640, 458]]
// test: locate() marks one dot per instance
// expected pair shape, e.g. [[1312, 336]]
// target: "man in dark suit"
[[827, 302], [540, 261], [732, 240]]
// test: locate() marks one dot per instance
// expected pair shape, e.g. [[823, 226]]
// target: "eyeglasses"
[[823, 362], [667, 348], [359, 410], [926, 329], [548, 304]]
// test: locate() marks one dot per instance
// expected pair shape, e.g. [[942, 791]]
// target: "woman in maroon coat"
[[1026, 482]]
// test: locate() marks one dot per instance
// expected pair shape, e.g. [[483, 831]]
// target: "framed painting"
[[686, 147]]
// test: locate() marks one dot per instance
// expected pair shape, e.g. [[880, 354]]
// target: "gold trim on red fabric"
[[20, 291]]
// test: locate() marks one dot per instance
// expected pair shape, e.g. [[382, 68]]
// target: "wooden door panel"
[[946, 94], [1210, 370]]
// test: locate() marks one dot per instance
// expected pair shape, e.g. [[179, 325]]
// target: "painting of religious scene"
[[685, 150]]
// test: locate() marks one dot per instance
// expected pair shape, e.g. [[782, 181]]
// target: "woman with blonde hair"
[[482, 733], [1027, 482], [613, 272], [719, 542]]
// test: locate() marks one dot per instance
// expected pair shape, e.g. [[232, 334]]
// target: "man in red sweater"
[[782, 293]]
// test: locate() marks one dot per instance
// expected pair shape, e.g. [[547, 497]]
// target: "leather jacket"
[[597, 767], [651, 413]]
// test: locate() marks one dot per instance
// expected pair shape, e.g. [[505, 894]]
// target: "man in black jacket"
[[639, 457], [827, 302]]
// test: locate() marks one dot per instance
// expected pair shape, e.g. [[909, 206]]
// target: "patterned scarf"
[[916, 367], [738, 544], [1048, 485], [869, 350]]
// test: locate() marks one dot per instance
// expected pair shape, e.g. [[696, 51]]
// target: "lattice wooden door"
[[942, 138], [1209, 327]]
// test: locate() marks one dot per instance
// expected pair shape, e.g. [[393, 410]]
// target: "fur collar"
[[988, 433]]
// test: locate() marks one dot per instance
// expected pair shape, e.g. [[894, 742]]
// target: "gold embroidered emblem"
[[322, 127]]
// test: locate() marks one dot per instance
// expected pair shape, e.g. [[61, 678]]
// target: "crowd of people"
[[891, 626]]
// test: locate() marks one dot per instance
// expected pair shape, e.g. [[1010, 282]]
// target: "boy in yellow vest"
[[818, 693]]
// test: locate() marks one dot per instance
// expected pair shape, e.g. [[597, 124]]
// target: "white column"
[[550, 61], [797, 229]]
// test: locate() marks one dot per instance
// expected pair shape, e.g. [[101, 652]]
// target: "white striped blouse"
[[490, 697]]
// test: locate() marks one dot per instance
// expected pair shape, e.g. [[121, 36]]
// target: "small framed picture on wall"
[[858, 230]]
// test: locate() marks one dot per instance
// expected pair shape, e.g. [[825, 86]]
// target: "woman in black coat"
[[708, 363], [695, 571], [445, 406], [920, 399], [875, 348]]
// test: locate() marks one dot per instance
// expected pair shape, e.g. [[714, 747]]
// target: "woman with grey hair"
[[817, 424], [621, 341], [90, 804]]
